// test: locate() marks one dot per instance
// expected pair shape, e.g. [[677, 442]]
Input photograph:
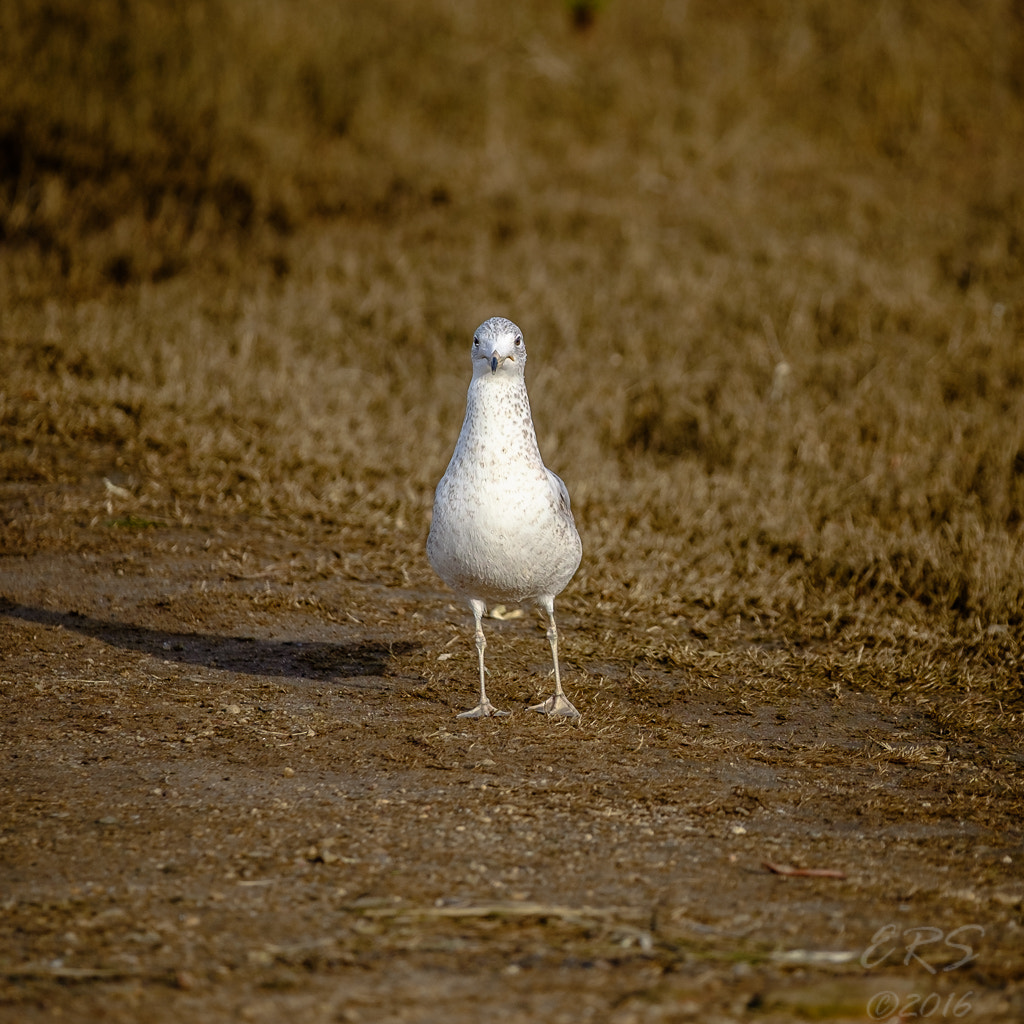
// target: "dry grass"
[[769, 263]]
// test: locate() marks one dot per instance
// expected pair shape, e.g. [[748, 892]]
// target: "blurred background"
[[769, 260]]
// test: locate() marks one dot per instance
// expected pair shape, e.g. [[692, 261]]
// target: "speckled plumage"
[[502, 527]]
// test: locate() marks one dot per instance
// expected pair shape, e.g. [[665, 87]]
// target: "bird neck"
[[498, 413]]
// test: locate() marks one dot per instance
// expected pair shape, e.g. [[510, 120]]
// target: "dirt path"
[[226, 797]]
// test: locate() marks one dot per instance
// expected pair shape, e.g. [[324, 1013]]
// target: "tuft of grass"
[[132, 522]]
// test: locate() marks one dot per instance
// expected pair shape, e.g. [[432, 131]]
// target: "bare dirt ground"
[[235, 789]]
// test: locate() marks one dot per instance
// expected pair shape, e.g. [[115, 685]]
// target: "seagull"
[[502, 529]]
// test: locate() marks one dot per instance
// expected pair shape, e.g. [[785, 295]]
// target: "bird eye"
[[476, 343], [519, 341]]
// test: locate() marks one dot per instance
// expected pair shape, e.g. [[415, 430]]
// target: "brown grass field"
[[769, 261]]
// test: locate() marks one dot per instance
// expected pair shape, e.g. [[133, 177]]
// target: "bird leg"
[[558, 703], [485, 708]]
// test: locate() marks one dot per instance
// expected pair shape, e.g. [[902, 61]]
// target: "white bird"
[[502, 529]]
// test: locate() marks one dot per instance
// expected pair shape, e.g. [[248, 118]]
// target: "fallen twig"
[[815, 956], [515, 908], [790, 871], [68, 973]]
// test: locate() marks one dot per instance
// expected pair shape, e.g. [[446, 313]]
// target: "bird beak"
[[497, 360]]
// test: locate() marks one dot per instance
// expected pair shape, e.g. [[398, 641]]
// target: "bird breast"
[[498, 531]]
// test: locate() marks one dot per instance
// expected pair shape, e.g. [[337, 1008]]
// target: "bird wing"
[[559, 491]]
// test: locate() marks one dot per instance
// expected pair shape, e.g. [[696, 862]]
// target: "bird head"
[[498, 348]]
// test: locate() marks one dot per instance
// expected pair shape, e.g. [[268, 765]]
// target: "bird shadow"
[[355, 662]]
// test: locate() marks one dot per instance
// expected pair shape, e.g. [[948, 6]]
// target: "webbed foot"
[[483, 710], [557, 705]]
